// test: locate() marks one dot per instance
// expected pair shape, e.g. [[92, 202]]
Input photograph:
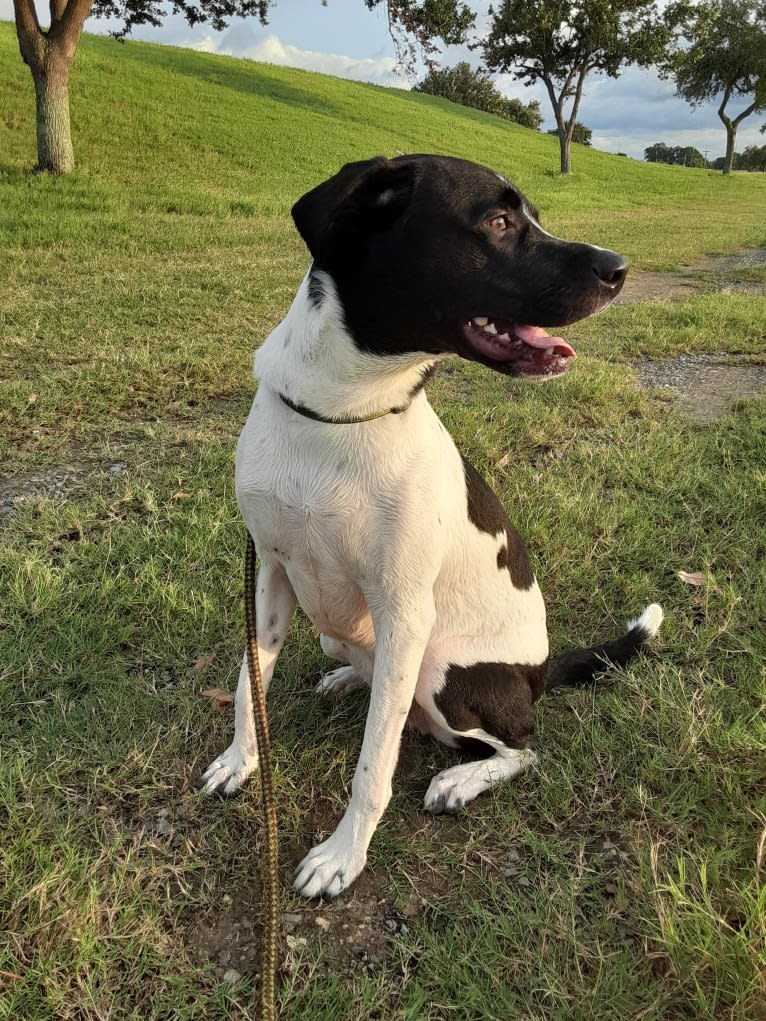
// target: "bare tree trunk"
[[731, 129], [54, 137], [731, 139], [49, 56], [565, 137], [569, 126], [565, 127], [565, 147]]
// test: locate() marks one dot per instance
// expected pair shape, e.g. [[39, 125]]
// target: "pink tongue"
[[536, 336]]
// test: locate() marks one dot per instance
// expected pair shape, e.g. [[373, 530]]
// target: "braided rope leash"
[[270, 868]]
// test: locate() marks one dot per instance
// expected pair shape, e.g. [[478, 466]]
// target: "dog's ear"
[[359, 199]]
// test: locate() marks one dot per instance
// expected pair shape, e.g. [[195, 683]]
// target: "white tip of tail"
[[649, 621]]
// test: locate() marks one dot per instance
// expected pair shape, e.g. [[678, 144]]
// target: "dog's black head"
[[435, 254]]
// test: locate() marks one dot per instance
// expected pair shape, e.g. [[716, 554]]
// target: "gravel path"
[[713, 274], [706, 385]]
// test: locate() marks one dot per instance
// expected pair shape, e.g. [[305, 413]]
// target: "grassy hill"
[[191, 135], [624, 878]]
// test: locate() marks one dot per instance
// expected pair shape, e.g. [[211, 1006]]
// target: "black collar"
[[301, 409]]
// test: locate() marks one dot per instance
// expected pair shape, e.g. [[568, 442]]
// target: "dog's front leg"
[[274, 605], [401, 638]]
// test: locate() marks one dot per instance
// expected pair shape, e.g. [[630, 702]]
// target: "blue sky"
[[347, 40]]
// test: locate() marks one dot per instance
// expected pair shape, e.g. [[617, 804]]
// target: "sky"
[[345, 39]]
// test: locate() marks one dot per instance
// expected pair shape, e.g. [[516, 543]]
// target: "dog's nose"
[[609, 267]]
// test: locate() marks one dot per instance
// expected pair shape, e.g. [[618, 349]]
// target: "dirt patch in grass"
[[723, 273], [706, 385], [54, 483], [351, 935], [354, 934]]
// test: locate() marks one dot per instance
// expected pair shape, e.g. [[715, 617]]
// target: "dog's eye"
[[500, 222]]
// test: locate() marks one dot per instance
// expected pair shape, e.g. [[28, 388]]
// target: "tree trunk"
[[54, 137], [565, 147], [49, 56], [731, 138]]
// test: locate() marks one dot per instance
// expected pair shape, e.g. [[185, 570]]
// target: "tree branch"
[[26, 20], [29, 33], [745, 113], [57, 8], [722, 108], [568, 81], [555, 103], [578, 97], [68, 29]]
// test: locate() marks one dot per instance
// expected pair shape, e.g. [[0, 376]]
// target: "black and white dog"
[[362, 509]]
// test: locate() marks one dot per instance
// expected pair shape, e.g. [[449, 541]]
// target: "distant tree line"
[[753, 158], [675, 155], [473, 87]]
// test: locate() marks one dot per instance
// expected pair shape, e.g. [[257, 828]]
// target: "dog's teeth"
[[504, 336], [549, 350], [480, 321], [490, 328]]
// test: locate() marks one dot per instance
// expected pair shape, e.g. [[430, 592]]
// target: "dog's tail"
[[579, 666]]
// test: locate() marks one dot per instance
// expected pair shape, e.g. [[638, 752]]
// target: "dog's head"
[[436, 254]]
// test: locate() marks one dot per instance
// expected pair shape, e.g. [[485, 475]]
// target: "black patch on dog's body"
[[496, 697], [486, 512]]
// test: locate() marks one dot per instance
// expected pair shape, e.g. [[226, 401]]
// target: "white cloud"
[[270, 49]]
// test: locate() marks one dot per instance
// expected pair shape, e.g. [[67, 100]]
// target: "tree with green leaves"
[[560, 43], [719, 52], [415, 26], [675, 155], [720, 162], [473, 87], [580, 134], [754, 158], [659, 153]]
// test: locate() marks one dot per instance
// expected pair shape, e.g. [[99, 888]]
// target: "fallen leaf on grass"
[[218, 696], [695, 578]]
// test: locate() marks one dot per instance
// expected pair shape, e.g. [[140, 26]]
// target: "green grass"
[[624, 878]]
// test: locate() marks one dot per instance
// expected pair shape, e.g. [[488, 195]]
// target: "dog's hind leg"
[[453, 788], [357, 674], [274, 605], [486, 710]]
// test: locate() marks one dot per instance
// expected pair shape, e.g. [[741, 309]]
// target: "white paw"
[[339, 681], [446, 793], [228, 772], [328, 868], [452, 789]]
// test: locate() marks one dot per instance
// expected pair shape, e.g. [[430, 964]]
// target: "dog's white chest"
[[308, 508], [313, 545]]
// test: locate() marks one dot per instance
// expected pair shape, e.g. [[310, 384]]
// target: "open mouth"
[[517, 349]]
